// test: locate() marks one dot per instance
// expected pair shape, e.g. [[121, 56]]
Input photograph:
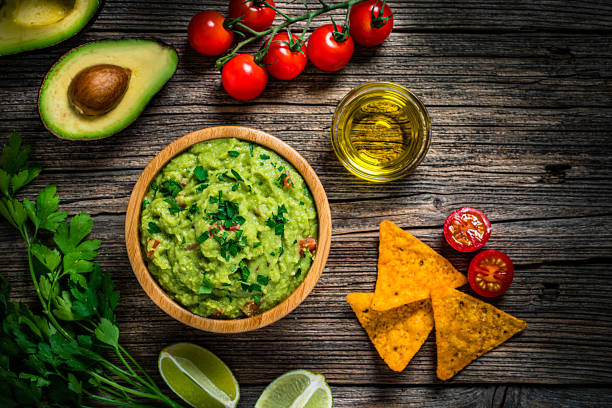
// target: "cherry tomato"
[[207, 35], [368, 26], [491, 273], [309, 243], [242, 78], [467, 229], [325, 52], [254, 14], [281, 61]]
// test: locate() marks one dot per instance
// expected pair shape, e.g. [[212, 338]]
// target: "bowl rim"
[[158, 295]]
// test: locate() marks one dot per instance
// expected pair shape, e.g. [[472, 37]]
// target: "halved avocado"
[[32, 24], [99, 88]]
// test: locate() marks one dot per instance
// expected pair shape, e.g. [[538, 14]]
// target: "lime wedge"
[[199, 377], [296, 389]]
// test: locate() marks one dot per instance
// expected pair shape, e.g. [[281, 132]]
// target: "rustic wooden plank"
[[488, 15], [566, 304]]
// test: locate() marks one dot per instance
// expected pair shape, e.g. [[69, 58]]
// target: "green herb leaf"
[[251, 149], [257, 244], [201, 188], [264, 156], [263, 279], [233, 153], [170, 187], [200, 173], [153, 228], [236, 175], [256, 299], [206, 287], [107, 333], [202, 238]]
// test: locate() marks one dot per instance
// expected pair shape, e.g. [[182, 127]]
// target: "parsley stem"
[[121, 387], [138, 366]]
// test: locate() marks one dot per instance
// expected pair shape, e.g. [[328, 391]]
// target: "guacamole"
[[228, 229]]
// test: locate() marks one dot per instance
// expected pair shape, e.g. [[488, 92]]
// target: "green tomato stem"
[[309, 16]]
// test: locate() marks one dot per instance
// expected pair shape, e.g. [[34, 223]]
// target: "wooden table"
[[520, 95]]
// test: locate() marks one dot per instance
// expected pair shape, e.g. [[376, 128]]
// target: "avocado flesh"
[[151, 64], [31, 24]]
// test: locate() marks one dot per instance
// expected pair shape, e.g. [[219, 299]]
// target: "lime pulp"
[[297, 389], [198, 376]]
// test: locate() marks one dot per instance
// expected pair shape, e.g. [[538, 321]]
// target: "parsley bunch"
[[56, 358]]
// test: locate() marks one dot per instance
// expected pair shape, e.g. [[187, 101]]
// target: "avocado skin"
[[90, 11], [130, 107]]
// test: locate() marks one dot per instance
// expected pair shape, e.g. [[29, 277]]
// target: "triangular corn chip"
[[408, 269], [466, 328], [397, 334]]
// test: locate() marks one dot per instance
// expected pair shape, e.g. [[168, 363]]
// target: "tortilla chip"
[[408, 269], [397, 334], [466, 328]]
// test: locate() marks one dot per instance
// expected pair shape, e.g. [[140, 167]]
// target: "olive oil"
[[381, 132]]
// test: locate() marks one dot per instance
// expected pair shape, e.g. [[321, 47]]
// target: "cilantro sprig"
[[58, 357], [277, 222]]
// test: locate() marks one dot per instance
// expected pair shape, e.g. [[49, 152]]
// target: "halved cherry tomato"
[[242, 78], [325, 52], [207, 35], [370, 25], [254, 14], [490, 273], [467, 229], [309, 243], [285, 59]]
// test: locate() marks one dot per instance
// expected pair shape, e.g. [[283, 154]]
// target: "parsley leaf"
[[263, 279], [200, 173], [170, 187], [153, 228], [277, 222], [233, 153], [206, 287]]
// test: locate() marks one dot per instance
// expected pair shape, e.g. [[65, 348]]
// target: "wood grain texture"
[[520, 98], [148, 283]]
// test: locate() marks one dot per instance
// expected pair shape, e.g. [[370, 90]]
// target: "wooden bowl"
[[157, 294]]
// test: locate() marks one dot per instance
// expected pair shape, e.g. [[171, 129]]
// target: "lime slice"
[[296, 389], [199, 377]]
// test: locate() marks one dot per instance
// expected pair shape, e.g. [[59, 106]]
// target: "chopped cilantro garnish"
[[295, 241], [281, 168], [272, 253], [260, 183], [213, 200], [277, 222], [153, 228], [244, 271], [183, 241], [251, 149], [235, 187], [261, 163], [174, 208], [203, 237], [301, 203], [194, 209], [206, 287], [280, 251], [257, 244], [170, 187], [200, 173], [236, 175], [201, 188], [264, 157], [145, 203], [233, 153], [221, 177], [299, 272], [263, 279], [256, 299], [154, 186]]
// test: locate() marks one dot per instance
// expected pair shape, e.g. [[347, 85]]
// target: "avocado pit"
[[98, 89]]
